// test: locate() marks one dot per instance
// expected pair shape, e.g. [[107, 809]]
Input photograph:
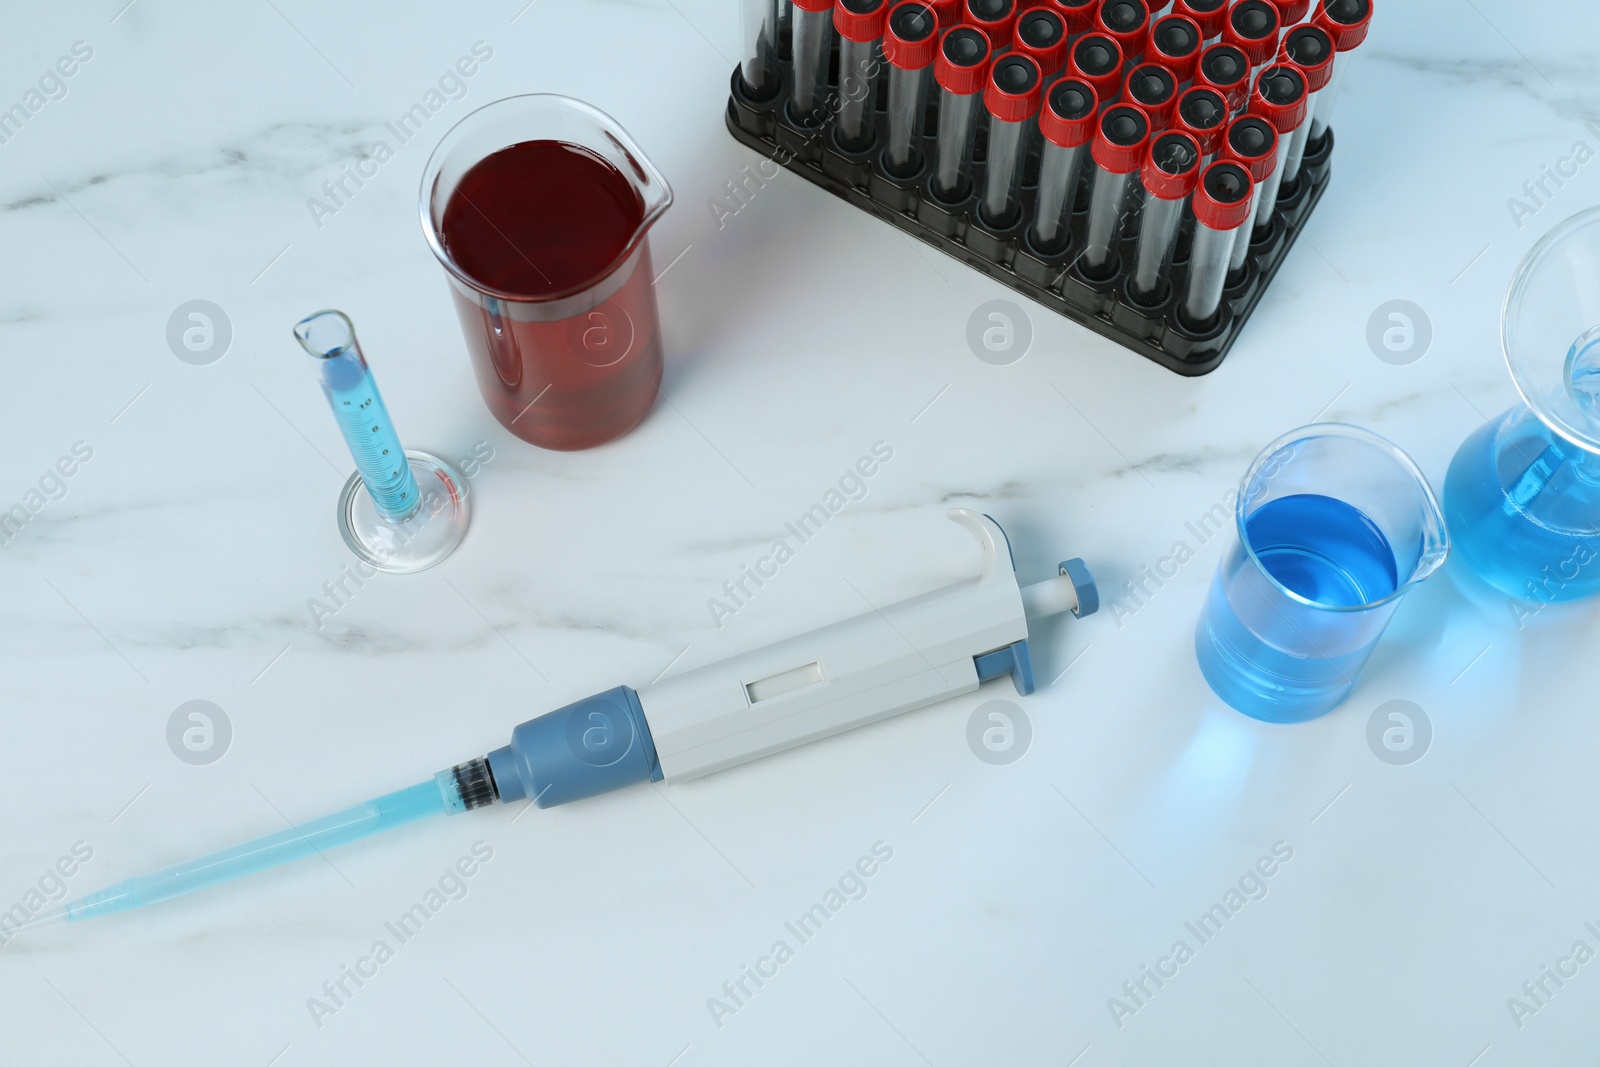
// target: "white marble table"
[[177, 563]]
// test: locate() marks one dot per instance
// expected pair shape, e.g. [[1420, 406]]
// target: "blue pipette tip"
[[49, 917]]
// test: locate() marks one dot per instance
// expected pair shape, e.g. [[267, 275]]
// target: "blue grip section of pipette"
[[1012, 660], [589, 747]]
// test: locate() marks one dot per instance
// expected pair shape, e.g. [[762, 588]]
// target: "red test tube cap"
[[1042, 34], [996, 18], [1077, 14], [814, 5], [859, 20], [1175, 43], [1203, 114], [1127, 22], [963, 60], [1346, 21], [1227, 70], [911, 35], [1154, 89], [1209, 15], [1252, 27], [1310, 49], [949, 12], [1070, 109], [1171, 165], [1253, 143], [1012, 94], [1222, 196], [1120, 139], [1280, 97], [1097, 59], [1291, 12]]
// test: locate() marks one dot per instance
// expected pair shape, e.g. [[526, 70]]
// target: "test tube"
[[759, 68], [1175, 44], [811, 29], [1227, 70], [1097, 59], [1117, 151], [1078, 15], [1152, 88], [910, 40], [996, 18], [1209, 15], [1347, 22], [1203, 114], [1252, 142], [1170, 170], [1221, 208], [1310, 50], [959, 69], [1012, 100], [1042, 34], [1280, 98], [1127, 22], [1067, 122], [1252, 28], [860, 26]]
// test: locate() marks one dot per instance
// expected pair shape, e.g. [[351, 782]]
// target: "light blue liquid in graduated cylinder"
[[1294, 661], [353, 394]]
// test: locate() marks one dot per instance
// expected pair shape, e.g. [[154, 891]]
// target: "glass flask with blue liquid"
[[1334, 525], [1523, 493]]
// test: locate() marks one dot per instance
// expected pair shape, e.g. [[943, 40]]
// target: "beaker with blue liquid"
[[1334, 524], [1523, 493]]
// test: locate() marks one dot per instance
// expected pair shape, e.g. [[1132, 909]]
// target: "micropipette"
[[401, 511], [909, 655]]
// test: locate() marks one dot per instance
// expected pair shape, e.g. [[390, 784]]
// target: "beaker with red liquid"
[[539, 208]]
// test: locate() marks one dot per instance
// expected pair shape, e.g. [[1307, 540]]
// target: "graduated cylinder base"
[[426, 538]]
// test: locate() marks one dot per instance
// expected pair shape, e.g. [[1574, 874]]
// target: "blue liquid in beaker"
[[1323, 550], [1522, 506]]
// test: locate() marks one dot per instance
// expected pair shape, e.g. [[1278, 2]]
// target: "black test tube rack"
[[1058, 282]]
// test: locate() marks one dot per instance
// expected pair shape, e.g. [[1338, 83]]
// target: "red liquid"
[[543, 220]]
